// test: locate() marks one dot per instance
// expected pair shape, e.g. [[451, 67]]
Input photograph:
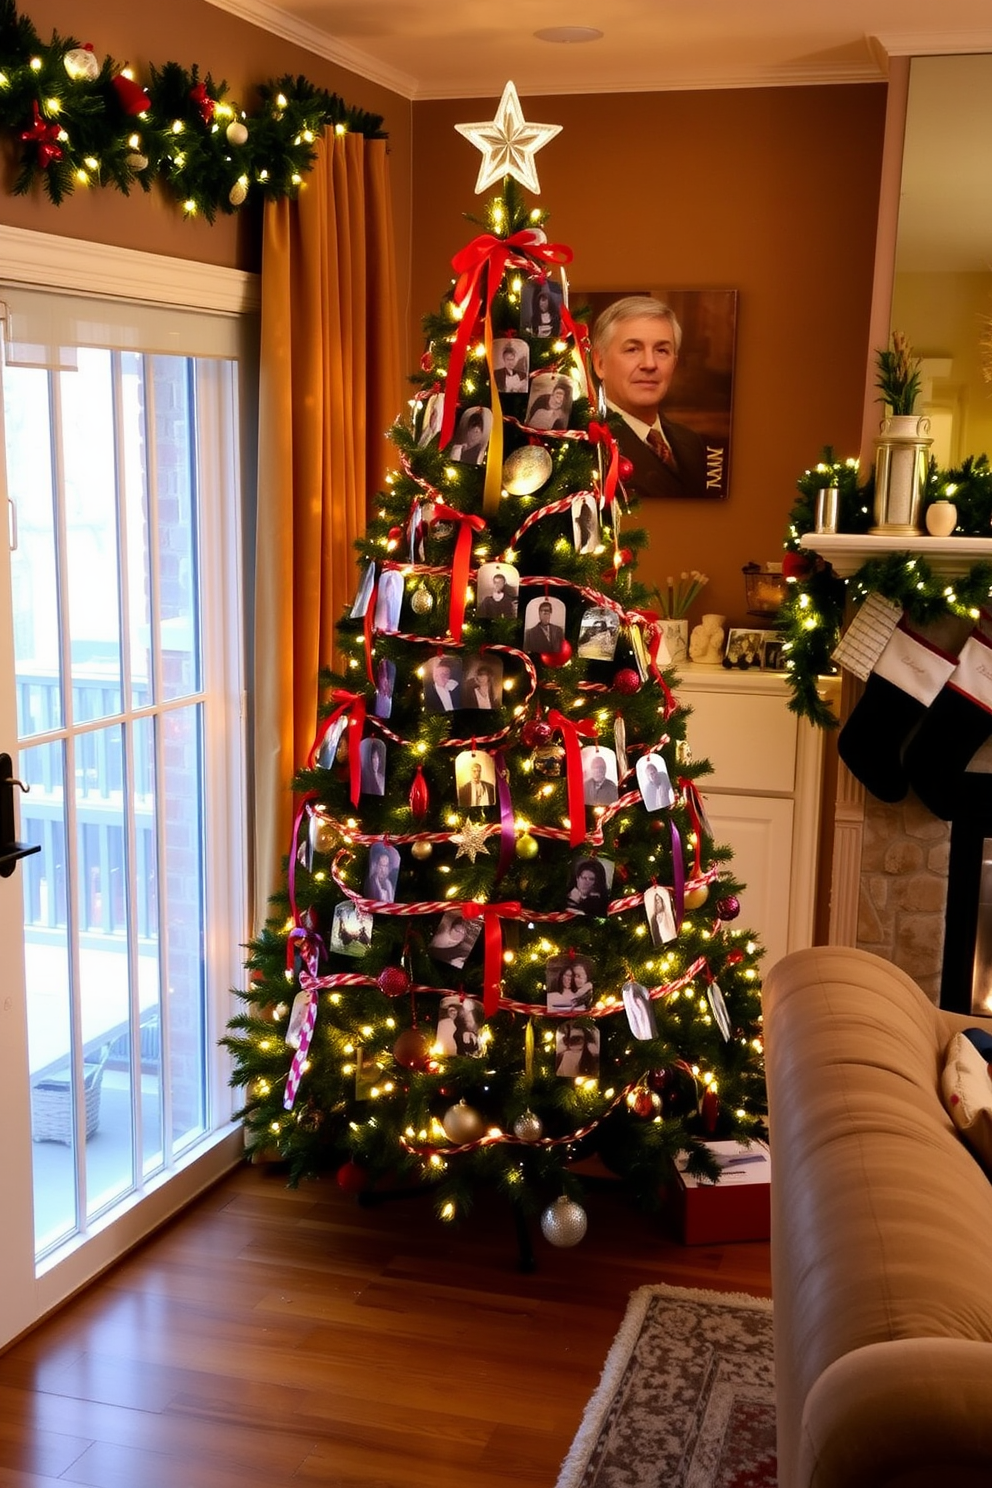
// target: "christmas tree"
[[507, 941]]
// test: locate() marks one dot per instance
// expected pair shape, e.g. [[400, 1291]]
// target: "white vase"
[[941, 518], [901, 456], [676, 634]]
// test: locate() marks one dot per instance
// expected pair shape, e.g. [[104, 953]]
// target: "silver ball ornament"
[[421, 600], [528, 1127], [564, 1222], [462, 1123], [236, 132]]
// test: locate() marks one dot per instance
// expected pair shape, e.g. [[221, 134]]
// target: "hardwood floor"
[[270, 1337]]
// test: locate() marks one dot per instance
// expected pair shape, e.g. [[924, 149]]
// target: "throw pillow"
[[966, 1087]]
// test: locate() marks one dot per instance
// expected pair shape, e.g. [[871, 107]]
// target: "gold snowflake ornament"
[[471, 839], [508, 144]]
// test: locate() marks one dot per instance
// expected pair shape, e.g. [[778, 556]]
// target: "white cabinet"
[[763, 798]]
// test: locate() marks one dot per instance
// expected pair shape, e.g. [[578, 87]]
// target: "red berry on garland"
[[558, 658], [625, 468], [351, 1178], [729, 907], [627, 681], [411, 1049], [393, 980], [735, 957]]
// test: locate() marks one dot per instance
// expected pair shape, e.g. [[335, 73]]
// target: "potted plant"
[[898, 378], [901, 451]]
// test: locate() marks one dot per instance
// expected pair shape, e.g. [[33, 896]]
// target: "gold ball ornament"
[[421, 600], [526, 470], [528, 1127], [696, 898], [527, 846], [237, 133], [422, 850], [564, 1222], [462, 1123]]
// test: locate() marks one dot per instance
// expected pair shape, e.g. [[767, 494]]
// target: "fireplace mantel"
[[948, 557]]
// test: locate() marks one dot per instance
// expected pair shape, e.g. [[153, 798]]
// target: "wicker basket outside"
[[51, 1105]]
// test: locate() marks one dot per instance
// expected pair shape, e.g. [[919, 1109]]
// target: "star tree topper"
[[508, 144]]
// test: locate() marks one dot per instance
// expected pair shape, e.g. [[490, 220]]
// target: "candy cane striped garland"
[[492, 1138], [609, 1009]]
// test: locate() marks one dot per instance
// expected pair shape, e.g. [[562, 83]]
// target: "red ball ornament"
[[627, 682], [644, 1103], [351, 1178], [412, 1049], [393, 980], [536, 731], [130, 95], [558, 658], [626, 557], [625, 468], [735, 957], [729, 907]]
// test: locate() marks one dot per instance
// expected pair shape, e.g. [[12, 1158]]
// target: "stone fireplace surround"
[[890, 862]]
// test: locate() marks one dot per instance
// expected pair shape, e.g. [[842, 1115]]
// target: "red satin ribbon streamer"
[[493, 972], [580, 335], [462, 560], [653, 639], [353, 704], [486, 253], [694, 808], [601, 434], [570, 731], [367, 633]]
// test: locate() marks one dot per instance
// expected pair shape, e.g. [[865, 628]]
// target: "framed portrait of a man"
[[664, 358]]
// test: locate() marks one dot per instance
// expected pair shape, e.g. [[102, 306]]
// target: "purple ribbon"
[[507, 836], [678, 876]]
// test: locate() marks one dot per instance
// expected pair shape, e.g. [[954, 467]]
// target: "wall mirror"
[[942, 289]]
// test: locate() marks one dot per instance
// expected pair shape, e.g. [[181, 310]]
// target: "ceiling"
[[468, 48]]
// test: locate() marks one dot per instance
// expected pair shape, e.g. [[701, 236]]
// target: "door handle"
[[10, 851]]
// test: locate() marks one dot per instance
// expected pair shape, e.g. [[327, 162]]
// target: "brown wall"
[[773, 192], [233, 51]]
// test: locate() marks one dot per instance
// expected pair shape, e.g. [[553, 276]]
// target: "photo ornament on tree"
[[503, 774]]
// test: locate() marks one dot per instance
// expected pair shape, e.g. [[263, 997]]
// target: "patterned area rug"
[[686, 1399]]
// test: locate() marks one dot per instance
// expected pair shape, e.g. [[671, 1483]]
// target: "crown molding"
[[934, 43], [868, 71], [279, 22], [81, 267]]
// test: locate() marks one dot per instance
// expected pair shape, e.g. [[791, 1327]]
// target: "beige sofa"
[[881, 1235]]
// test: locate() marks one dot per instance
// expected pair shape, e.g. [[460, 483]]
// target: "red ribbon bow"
[[460, 564], [491, 915], [44, 136], [570, 731], [471, 263], [353, 704], [204, 103]]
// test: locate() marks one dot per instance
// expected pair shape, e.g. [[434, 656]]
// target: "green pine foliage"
[[73, 132], [358, 1109]]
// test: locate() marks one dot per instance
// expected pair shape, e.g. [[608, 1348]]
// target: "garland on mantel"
[[80, 122], [812, 613]]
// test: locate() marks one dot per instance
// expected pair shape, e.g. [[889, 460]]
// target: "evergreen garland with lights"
[[811, 617], [80, 122], [375, 1098]]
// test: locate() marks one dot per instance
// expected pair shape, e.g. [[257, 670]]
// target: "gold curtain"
[[330, 385]]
